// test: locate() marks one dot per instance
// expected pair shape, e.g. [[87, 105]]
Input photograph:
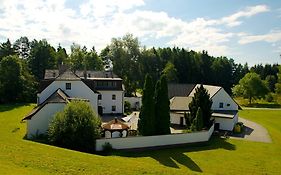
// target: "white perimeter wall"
[[39, 123], [78, 90], [223, 97], [106, 102], [227, 123], [133, 101], [152, 141]]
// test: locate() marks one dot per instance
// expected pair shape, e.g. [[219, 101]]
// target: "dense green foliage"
[[76, 127], [278, 85], [42, 56], [251, 87], [201, 100], [146, 123], [16, 83], [81, 59], [6, 49], [197, 124], [131, 61], [154, 118], [162, 107]]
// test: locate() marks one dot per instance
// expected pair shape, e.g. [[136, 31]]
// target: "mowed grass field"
[[219, 156]]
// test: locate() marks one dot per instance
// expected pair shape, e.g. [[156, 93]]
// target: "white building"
[[225, 109], [103, 90]]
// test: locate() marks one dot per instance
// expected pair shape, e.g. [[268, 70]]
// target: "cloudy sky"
[[247, 31]]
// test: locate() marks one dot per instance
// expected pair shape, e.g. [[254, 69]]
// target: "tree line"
[[125, 57]]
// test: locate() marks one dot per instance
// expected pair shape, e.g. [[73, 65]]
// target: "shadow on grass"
[[172, 156], [9, 107]]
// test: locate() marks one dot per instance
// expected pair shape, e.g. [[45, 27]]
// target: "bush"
[[238, 128], [127, 107], [76, 127], [107, 148], [269, 97]]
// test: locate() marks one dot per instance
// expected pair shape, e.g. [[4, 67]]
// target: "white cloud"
[[233, 20], [95, 22], [270, 37]]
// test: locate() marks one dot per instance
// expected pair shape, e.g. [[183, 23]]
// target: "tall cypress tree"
[[147, 113], [162, 107], [201, 99]]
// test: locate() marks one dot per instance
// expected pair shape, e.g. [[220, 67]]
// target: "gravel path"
[[253, 132]]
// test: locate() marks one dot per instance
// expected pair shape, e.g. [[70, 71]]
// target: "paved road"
[[253, 132]]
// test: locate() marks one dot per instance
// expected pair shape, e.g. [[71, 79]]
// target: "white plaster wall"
[[152, 141], [175, 118], [106, 102], [133, 101], [226, 123], [39, 123], [78, 90], [222, 96]]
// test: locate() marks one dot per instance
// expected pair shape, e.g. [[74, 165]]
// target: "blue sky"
[[247, 31]]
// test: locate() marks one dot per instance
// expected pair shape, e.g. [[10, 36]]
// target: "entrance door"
[[100, 110], [181, 121], [217, 126]]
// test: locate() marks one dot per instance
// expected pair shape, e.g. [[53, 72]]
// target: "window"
[[113, 108], [228, 104], [54, 74], [221, 105], [67, 86], [89, 75], [99, 97], [113, 97]]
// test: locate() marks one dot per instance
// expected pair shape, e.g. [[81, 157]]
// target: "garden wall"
[[154, 141], [134, 101]]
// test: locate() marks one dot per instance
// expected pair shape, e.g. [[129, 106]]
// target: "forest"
[[23, 63]]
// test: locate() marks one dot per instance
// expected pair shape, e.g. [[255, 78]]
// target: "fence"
[[154, 141]]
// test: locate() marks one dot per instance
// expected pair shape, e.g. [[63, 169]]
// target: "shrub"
[[107, 148], [269, 97], [76, 127], [127, 107], [238, 128]]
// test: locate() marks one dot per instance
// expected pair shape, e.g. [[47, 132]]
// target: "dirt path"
[[253, 132]]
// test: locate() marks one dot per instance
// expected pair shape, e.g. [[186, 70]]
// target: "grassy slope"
[[19, 156]]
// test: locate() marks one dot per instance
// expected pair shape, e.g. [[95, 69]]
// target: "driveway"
[[253, 132]]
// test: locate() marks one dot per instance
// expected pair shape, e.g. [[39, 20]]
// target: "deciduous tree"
[[76, 127], [251, 87]]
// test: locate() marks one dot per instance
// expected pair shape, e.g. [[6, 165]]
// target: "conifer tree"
[[162, 107], [147, 113], [199, 119], [201, 99]]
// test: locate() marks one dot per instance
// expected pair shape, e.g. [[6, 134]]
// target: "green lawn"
[[19, 156]]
